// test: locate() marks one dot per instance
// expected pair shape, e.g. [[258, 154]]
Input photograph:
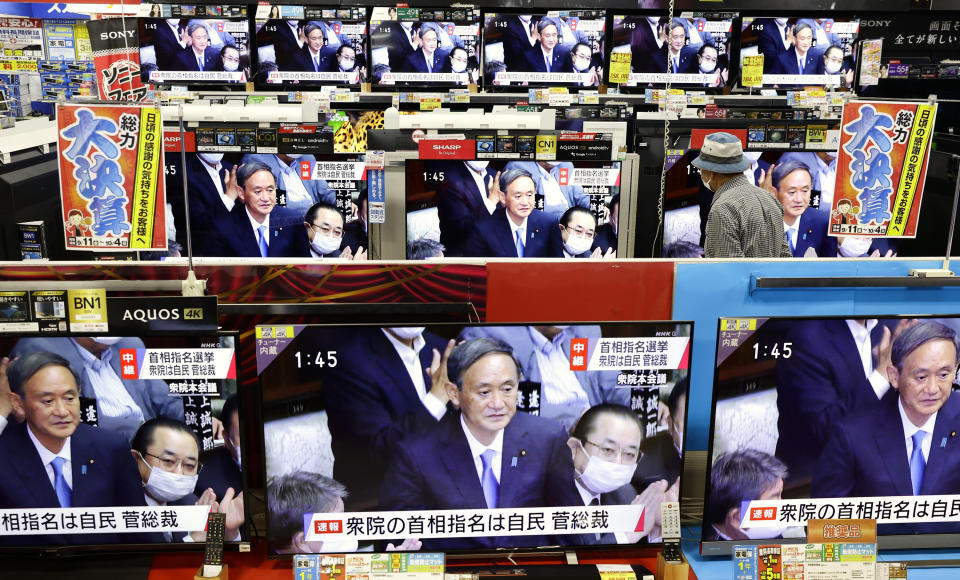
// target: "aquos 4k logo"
[[152, 314]]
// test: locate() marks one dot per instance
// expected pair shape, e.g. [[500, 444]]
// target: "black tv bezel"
[[508, 551]]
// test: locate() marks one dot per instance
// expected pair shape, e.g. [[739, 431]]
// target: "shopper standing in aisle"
[[744, 221]]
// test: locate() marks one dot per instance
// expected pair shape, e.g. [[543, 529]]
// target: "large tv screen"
[[475, 208], [842, 415], [425, 47], [207, 45], [802, 51], [116, 441], [307, 45], [542, 49], [453, 437], [687, 51]]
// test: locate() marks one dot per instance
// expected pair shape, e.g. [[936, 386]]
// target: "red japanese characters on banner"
[[111, 186], [116, 54], [881, 168]]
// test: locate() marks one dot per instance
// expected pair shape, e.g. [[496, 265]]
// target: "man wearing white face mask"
[[546, 176], [121, 404], [469, 190], [606, 447], [324, 225], [387, 383], [298, 193], [737, 477], [168, 457], [578, 227]]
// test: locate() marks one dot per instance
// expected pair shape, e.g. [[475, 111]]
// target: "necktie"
[[316, 63], [262, 240], [792, 239], [60, 483], [546, 59], [917, 463], [520, 243], [429, 64], [488, 481], [676, 65], [200, 63], [800, 65]]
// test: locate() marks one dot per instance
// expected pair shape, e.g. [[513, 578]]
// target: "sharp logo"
[[193, 313], [447, 147], [118, 34]]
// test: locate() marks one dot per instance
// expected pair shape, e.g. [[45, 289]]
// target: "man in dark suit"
[[662, 453], [53, 460], [287, 43], [607, 233], [518, 41], [388, 382], [578, 228], [908, 447], [773, 39], [355, 232], [220, 468], [315, 55], [210, 192], [547, 55], [167, 42], [485, 456], [516, 230], [198, 55], [606, 444], [830, 374], [736, 477], [679, 58], [167, 453], [428, 58], [254, 228], [647, 43], [469, 191], [801, 58], [96, 363], [401, 40]]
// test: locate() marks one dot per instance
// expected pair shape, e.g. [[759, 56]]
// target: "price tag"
[[559, 98], [590, 98], [620, 67], [374, 159], [88, 310], [430, 103], [752, 73]]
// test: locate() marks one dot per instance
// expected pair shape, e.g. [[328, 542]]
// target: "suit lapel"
[[846, 349], [392, 366], [504, 236], [944, 437], [510, 472], [461, 469], [245, 236], [32, 472], [892, 451]]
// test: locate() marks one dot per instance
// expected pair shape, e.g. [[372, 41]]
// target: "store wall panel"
[[706, 291], [581, 290]]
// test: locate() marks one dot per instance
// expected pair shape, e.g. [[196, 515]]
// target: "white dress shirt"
[[861, 336], [783, 35], [828, 178], [477, 449], [256, 227], [297, 193], [113, 400], [47, 457], [296, 35], [513, 232], [176, 34], [478, 176], [526, 26], [559, 386], [909, 429], [411, 361], [216, 176], [552, 194], [656, 33]]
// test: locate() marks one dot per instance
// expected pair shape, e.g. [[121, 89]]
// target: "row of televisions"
[[342, 412], [309, 46]]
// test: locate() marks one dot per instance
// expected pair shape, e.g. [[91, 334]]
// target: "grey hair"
[[467, 353], [247, 169], [24, 367], [916, 336], [785, 169], [311, 26], [508, 177], [193, 26]]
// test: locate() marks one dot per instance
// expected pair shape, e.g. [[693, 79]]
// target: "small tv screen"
[[424, 46], [802, 51], [449, 433], [687, 51], [851, 417], [477, 208], [306, 45], [117, 441], [202, 45], [309, 205], [553, 48]]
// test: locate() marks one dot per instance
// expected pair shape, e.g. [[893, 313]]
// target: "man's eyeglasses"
[[615, 453], [580, 232], [327, 230], [170, 463]]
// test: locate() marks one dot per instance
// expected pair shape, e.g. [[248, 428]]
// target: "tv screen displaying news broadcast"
[[207, 45], [813, 416], [306, 45], [424, 46], [542, 49], [477, 208], [802, 51], [310, 206], [689, 51], [114, 440], [454, 437]]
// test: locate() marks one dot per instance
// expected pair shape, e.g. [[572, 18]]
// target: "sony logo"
[[116, 34], [876, 23]]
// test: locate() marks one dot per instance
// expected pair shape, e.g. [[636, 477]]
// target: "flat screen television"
[[424, 47], [802, 51], [459, 204], [311, 45], [688, 51], [350, 411], [332, 186], [116, 443], [195, 45], [544, 49], [809, 408]]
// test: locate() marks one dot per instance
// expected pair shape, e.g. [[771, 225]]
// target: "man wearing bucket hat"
[[744, 221]]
